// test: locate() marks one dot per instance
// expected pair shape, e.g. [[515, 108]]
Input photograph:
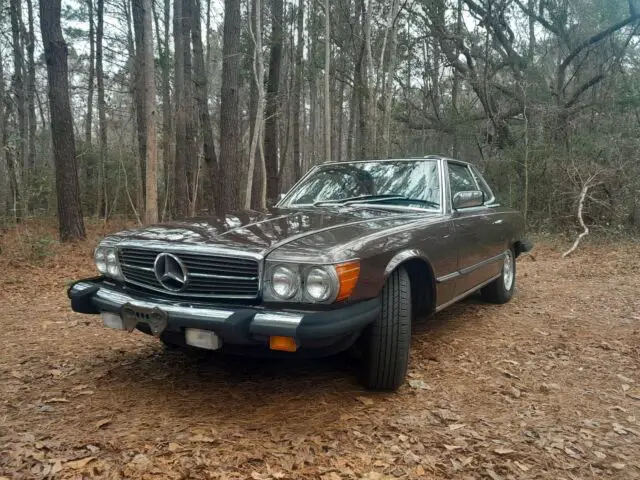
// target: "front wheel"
[[387, 340], [502, 288]]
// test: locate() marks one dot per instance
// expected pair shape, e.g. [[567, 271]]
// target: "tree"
[[101, 201], [71, 223], [297, 93], [149, 83], [180, 191], [258, 78], [92, 54], [327, 82], [230, 134], [202, 99], [271, 110]]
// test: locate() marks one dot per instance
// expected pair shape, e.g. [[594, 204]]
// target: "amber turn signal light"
[[283, 344], [348, 274]]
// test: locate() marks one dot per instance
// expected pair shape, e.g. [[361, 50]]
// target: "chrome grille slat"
[[210, 275]]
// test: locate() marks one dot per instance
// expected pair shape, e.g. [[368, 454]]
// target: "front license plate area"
[[154, 317]]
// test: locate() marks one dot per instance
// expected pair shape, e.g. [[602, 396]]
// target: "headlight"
[[319, 284], [101, 261], [107, 262], [285, 282], [306, 283]]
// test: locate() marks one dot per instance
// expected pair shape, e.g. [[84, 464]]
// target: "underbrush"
[[35, 241]]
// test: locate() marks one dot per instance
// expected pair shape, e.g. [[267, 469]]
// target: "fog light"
[[202, 339], [112, 320], [283, 344]]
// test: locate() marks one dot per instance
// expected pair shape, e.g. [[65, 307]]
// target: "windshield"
[[396, 183]]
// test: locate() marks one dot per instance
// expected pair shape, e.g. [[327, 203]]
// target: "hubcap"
[[507, 270]]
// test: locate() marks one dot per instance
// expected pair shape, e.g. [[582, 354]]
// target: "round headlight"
[[318, 284], [111, 258], [284, 282], [100, 259]]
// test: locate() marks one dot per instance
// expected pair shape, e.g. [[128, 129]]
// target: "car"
[[351, 255]]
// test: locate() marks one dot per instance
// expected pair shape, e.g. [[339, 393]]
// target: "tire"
[[501, 289], [387, 340]]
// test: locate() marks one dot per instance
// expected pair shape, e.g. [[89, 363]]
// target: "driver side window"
[[460, 179]]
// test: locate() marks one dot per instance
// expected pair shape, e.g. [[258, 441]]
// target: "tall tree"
[[297, 93], [202, 97], [17, 84], [327, 82], [92, 48], [137, 12], [31, 87], [272, 100], [101, 201], [258, 79], [230, 121], [180, 191], [150, 109], [71, 223]]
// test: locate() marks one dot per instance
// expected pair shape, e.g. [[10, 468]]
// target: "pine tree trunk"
[[89, 119], [327, 82], [71, 223], [191, 116], [150, 109], [18, 85], [31, 87], [101, 200], [230, 121], [258, 79], [271, 111], [256, 181], [202, 96], [297, 94], [181, 195], [137, 11]]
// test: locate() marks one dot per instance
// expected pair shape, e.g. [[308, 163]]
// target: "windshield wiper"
[[427, 203], [360, 198]]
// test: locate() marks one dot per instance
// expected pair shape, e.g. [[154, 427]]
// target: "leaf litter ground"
[[547, 386]]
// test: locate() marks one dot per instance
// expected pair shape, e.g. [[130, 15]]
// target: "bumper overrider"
[[239, 327]]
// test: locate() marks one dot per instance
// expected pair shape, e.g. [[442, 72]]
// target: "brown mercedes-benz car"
[[352, 253]]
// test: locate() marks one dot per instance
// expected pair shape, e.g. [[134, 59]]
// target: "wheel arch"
[[421, 276]]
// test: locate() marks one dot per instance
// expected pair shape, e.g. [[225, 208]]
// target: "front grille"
[[209, 276]]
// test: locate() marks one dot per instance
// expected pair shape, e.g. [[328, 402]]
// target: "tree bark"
[[150, 109], [18, 85], [258, 79], [256, 182], [327, 83], [297, 94], [101, 200], [89, 119], [5, 152], [202, 97], [191, 117], [180, 195], [31, 87], [137, 11], [230, 121], [271, 111], [71, 223]]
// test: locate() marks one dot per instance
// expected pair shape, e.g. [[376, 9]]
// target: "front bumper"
[[247, 326]]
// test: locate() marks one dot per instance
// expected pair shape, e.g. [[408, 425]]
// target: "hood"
[[318, 229]]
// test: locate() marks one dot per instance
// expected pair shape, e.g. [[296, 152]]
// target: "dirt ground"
[[547, 386]]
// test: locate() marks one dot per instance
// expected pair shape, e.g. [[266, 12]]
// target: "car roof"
[[407, 159]]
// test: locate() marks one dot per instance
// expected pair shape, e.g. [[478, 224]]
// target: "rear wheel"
[[502, 288], [387, 340]]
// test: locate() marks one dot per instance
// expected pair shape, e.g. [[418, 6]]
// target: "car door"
[[477, 258]]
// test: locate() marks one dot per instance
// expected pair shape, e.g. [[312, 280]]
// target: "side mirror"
[[472, 198]]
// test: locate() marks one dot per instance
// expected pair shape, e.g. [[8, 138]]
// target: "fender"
[[410, 255]]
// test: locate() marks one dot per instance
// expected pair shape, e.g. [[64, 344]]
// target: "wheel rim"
[[507, 270]]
